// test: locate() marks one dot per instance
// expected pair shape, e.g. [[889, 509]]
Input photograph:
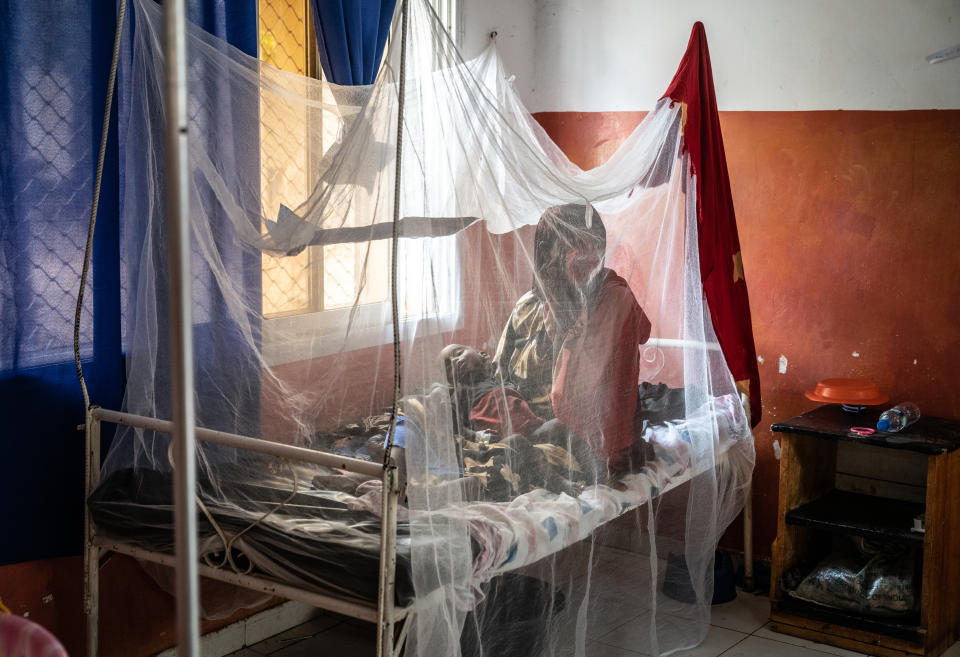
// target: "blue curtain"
[[351, 35], [54, 61]]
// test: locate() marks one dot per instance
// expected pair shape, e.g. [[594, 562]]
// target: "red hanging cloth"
[[721, 267]]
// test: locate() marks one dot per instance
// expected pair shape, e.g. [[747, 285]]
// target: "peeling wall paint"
[[783, 364]]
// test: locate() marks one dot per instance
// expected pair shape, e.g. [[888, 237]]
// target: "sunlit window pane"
[[283, 159]]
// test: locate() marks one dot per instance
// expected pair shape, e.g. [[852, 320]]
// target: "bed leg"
[[388, 563], [92, 596], [748, 583], [91, 553]]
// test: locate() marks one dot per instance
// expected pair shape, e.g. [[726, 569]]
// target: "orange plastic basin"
[[862, 392]]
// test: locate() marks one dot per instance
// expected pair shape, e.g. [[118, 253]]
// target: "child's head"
[[465, 365]]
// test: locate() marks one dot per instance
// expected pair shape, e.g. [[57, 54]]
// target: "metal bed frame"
[[385, 613]]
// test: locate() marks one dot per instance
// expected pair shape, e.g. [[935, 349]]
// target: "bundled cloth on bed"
[[536, 524]]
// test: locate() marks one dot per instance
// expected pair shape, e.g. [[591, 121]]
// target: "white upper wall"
[[606, 55], [514, 22]]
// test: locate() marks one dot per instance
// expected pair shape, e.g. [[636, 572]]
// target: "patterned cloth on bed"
[[534, 525]]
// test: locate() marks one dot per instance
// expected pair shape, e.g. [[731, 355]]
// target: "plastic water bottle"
[[898, 417]]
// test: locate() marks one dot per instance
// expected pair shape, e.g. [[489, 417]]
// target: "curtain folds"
[[54, 60], [351, 35]]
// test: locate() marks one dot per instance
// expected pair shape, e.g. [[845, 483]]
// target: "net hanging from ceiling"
[[569, 433]]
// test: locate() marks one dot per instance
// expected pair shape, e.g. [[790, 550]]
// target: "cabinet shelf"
[[855, 514], [907, 628]]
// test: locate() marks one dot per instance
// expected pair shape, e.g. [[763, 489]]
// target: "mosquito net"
[[533, 346]]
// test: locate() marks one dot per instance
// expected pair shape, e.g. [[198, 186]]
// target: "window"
[[285, 42], [317, 288]]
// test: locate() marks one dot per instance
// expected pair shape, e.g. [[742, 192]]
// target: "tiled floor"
[[738, 629]]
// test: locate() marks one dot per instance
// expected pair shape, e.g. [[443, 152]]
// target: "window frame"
[[297, 335]]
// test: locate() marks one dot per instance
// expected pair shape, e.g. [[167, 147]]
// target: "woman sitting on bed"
[[594, 326]]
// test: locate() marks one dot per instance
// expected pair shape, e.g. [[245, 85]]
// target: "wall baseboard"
[[252, 629]]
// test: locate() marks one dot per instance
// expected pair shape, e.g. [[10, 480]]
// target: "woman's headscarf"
[[564, 233]]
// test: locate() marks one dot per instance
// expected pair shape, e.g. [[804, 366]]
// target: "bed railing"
[[385, 613]]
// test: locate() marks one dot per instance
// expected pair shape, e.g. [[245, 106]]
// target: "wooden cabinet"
[[835, 482]]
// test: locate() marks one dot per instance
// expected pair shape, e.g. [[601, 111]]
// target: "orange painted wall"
[[850, 232]]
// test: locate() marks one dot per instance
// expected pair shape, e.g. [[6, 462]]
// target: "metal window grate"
[[326, 277]]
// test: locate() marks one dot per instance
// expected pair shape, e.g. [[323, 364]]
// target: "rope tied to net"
[[95, 204], [395, 241], [87, 256]]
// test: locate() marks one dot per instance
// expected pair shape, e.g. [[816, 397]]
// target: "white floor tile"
[[604, 614], [635, 636], [748, 613], [593, 649], [295, 634], [603, 650], [766, 633], [952, 651], [718, 641], [344, 640], [755, 646]]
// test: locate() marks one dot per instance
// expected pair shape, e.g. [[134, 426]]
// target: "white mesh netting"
[[571, 443]]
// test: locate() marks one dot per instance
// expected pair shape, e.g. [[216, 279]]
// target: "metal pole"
[[395, 242], [91, 553], [388, 563], [298, 454], [748, 582], [391, 493], [181, 338]]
